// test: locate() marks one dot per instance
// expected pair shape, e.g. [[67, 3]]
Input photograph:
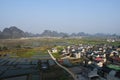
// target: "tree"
[[0, 48], [4, 48]]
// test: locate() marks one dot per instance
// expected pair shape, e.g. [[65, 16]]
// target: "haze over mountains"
[[14, 32]]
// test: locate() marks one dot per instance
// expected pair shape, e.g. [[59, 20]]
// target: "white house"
[[54, 50]]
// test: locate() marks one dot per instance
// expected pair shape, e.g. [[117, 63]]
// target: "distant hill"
[[14, 32], [48, 33]]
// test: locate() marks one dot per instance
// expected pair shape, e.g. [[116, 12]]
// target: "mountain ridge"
[[14, 32]]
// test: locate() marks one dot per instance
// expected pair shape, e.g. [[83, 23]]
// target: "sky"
[[90, 16]]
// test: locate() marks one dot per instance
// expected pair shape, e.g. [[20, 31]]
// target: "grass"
[[25, 52], [56, 55]]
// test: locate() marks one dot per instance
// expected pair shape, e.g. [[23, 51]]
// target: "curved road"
[[74, 77]]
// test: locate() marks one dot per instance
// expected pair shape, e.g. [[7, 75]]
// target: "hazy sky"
[[90, 16]]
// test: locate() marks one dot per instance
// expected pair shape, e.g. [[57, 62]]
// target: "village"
[[92, 62], [73, 59]]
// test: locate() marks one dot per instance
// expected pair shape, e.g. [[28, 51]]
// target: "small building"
[[93, 75], [54, 50], [77, 55]]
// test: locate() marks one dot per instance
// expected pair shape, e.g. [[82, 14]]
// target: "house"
[[64, 51], [54, 50], [93, 75], [116, 59], [77, 55], [110, 72], [110, 40]]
